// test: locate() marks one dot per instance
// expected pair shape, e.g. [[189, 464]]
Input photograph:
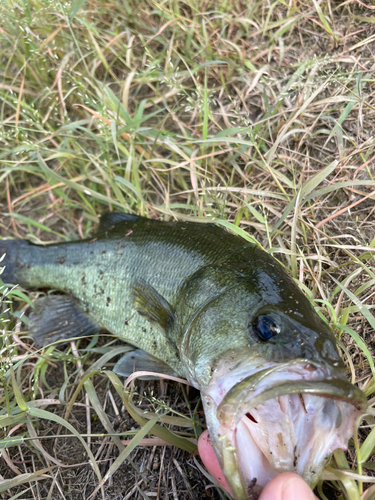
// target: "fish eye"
[[265, 326]]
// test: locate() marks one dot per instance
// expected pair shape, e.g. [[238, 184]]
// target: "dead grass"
[[254, 114]]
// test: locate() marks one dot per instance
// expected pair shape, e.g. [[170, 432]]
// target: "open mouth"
[[286, 417]]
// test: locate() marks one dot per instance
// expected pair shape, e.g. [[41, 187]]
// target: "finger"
[[287, 486], [208, 457]]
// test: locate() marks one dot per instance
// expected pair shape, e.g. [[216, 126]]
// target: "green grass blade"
[[7, 484], [158, 431], [126, 452], [46, 415], [75, 8]]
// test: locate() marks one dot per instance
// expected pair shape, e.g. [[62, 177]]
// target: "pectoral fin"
[[57, 317], [138, 360], [150, 304]]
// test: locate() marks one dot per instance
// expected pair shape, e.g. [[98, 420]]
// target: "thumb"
[[287, 486]]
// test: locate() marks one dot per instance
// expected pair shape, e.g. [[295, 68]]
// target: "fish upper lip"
[[240, 398]]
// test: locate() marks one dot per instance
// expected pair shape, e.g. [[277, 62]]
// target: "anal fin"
[[139, 361], [57, 317]]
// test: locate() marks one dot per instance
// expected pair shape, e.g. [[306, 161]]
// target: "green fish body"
[[100, 272], [219, 311]]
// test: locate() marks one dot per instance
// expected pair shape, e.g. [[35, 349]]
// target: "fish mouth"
[[287, 417]]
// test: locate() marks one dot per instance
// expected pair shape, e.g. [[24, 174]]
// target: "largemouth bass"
[[218, 311]]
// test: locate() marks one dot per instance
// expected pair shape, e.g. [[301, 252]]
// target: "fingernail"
[[296, 489]]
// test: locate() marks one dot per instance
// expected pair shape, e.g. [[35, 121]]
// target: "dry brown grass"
[[254, 114]]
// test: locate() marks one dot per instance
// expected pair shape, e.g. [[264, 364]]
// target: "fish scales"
[[98, 272], [217, 310]]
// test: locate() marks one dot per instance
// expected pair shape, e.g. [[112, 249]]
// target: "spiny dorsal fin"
[[150, 304], [141, 361], [109, 220], [57, 317]]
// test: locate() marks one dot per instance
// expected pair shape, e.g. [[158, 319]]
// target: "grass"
[[256, 115]]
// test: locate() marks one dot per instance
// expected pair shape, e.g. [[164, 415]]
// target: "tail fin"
[[10, 262]]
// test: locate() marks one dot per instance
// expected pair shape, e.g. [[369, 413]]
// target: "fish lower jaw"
[[292, 433]]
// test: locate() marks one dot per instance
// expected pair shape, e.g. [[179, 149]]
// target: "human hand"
[[286, 486]]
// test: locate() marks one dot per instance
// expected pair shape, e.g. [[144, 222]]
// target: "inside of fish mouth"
[[235, 406], [250, 417], [286, 417], [329, 409]]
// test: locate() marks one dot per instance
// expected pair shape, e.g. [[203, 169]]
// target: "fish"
[[216, 309]]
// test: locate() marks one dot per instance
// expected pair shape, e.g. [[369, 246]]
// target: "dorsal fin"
[[110, 220]]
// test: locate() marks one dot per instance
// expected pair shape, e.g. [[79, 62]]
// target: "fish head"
[[274, 389]]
